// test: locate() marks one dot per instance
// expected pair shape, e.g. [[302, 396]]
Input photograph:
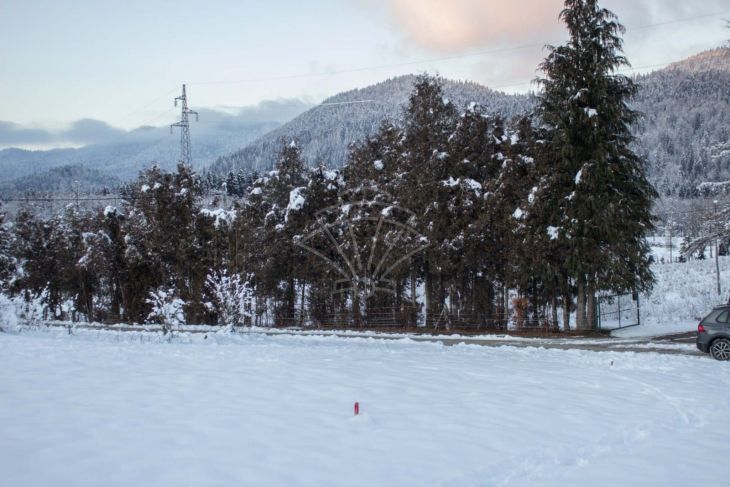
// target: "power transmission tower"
[[184, 124]]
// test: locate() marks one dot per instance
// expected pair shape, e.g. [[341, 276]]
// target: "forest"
[[452, 217]]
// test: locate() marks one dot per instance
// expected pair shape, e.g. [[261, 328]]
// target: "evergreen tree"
[[430, 120], [603, 198], [272, 215], [160, 239], [463, 249], [322, 192], [7, 262]]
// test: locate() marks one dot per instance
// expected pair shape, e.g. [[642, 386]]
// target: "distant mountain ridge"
[[123, 154], [125, 157], [63, 179], [326, 130], [712, 60], [685, 132]]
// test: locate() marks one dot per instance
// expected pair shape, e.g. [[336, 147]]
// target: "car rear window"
[[717, 316]]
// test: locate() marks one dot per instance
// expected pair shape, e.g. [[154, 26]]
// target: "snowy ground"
[[684, 293], [125, 409]]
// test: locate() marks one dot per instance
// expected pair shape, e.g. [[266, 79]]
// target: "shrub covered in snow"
[[167, 309], [33, 307], [233, 299], [8, 315]]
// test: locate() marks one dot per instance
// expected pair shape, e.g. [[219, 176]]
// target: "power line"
[[677, 21], [625, 70], [433, 60], [366, 68], [356, 102], [147, 105], [54, 199]]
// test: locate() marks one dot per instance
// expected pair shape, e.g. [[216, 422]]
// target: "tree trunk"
[[554, 313], [301, 311], [580, 312], [414, 303], [428, 284], [567, 301], [591, 322], [357, 318]]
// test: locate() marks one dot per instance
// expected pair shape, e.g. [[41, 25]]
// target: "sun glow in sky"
[[123, 62]]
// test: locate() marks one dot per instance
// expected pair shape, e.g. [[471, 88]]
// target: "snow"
[[591, 112], [684, 293], [469, 183], [473, 184], [296, 199], [250, 409], [220, 216], [145, 188], [553, 232], [578, 177], [518, 214], [110, 211], [450, 183], [8, 314], [378, 165]]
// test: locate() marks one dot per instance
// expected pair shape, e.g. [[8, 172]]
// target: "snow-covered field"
[[127, 409], [684, 293]]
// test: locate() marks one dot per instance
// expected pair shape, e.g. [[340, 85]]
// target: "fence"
[[408, 317], [618, 311]]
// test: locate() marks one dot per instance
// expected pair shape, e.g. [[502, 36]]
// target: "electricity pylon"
[[184, 124]]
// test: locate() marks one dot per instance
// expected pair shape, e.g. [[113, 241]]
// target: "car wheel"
[[720, 349]]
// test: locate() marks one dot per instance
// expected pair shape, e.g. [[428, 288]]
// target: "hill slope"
[[685, 132], [64, 179], [325, 131]]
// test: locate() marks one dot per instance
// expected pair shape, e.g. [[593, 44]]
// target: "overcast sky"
[[123, 62]]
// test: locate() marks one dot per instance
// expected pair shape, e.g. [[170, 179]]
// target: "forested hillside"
[[64, 179], [122, 159], [324, 132], [685, 132]]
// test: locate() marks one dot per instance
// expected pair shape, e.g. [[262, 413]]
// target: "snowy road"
[[100, 408], [673, 344]]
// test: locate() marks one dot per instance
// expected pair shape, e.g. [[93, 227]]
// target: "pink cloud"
[[458, 24]]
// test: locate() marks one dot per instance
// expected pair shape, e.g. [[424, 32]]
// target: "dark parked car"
[[713, 333]]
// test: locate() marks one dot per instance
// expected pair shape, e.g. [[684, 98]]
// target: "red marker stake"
[[357, 408]]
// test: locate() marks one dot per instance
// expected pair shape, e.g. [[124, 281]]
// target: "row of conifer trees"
[[525, 220]]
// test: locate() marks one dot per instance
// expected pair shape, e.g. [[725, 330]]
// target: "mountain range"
[[684, 132], [325, 131], [120, 155]]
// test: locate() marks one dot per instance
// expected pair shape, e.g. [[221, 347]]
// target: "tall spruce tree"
[[603, 199], [429, 121]]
